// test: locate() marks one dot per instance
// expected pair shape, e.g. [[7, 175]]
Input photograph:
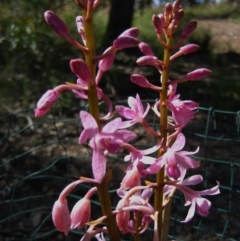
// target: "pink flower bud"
[[148, 60], [189, 28], [80, 28], [80, 68], [145, 49], [163, 22], [56, 23], [176, 6], [198, 74], [157, 24], [140, 80], [131, 179], [122, 218], [61, 216], [168, 9], [80, 213], [131, 32], [189, 48], [46, 102], [125, 42], [106, 63], [178, 16]]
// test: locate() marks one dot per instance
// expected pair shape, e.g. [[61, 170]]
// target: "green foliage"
[[33, 57], [214, 11]]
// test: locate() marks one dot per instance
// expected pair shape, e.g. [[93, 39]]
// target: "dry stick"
[[159, 197], [102, 188]]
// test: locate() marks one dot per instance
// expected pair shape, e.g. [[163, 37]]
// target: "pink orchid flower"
[[139, 158], [109, 139], [134, 200], [194, 198], [182, 111], [174, 159], [136, 111]]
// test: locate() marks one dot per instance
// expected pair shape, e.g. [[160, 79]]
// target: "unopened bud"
[[148, 60], [176, 6], [125, 42], [157, 24], [189, 28], [140, 80], [80, 69], [131, 32], [61, 216], [178, 16], [106, 63], [198, 74], [163, 22], [168, 9], [131, 179], [80, 28], [46, 102], [56, 23], [189, 48], [122, 218], [80, 214], [145, 49]]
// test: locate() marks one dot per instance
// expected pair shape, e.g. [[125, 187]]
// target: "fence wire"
[[41, 156]]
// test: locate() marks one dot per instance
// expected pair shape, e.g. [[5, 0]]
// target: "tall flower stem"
[[102, 188], [159, 197], [89, 55]]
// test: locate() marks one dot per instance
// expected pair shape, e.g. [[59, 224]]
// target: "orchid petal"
[[89, 124], [146, 111], [112, 126], [151, 150], [83, 137], [98, 165], [125, 135], [203, 206], [187, 153], [190, 214], [179, 142], [211, 191], [186, 161], [155, 167], [193, 180]]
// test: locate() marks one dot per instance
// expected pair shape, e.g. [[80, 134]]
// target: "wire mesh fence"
[[41, 156]]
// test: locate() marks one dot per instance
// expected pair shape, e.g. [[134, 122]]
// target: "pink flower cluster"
[[111, 135]]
